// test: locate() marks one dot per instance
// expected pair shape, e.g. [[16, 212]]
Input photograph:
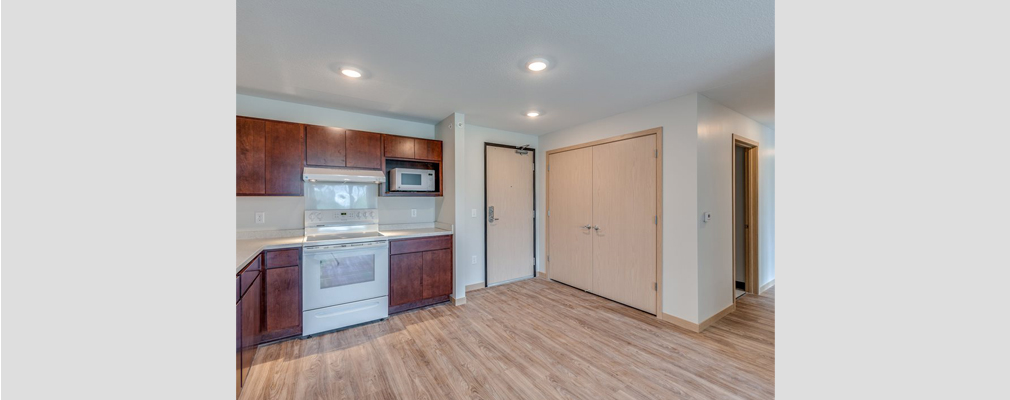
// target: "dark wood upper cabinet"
[[398, 146], [285, 158], [269, 157], [250, 141], [428, 149], [405, 272], [325, 146], [437, 273], [364, 149]]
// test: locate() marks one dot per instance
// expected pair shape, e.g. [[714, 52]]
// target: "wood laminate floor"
[[533, 339]]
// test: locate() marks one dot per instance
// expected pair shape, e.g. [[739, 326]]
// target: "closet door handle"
[[597, 227], [587, 227]]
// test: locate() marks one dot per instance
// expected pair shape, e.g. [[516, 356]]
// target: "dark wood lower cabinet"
[[283, 303], [251, 312], [437, 273], [405, 271], [268, 307], [238, 348], [420, 272]]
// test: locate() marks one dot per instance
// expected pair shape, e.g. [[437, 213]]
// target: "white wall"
[[446, 206], [766, 206], [288, 212], [679, 119], [473, 242], [451, 132], [716, 125], [282, 212]]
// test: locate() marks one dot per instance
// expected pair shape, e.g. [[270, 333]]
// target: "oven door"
[[339, 274]]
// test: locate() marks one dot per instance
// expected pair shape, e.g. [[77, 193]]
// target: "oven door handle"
[[349, 246]]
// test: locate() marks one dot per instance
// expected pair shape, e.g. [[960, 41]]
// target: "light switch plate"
[[473, 260], [413, 212], [261, 217], [473, 213]]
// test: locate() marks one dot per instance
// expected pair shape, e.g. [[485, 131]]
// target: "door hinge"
[[548, 213], [548, 167], [655, 286], [655, 220], [656, 154], [534, 261], [548, 258]]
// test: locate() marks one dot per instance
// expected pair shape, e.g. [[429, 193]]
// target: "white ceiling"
[[426, 59], [753, 96]]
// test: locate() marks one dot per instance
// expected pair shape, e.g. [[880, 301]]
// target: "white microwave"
[[411, 180]]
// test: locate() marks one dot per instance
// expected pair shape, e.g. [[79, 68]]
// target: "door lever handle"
[[587, 227], [597, 227]]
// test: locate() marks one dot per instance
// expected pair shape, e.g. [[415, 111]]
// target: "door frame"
[[658, 131], [751, 148], [533, 155]]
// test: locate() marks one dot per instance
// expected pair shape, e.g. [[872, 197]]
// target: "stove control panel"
[[363, 216]]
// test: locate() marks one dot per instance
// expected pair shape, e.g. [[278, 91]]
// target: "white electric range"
[[345, 260], [345, 273]]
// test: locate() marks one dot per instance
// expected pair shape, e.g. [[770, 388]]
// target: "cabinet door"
[[364, 149], [238, 347], [325, 146], [428, 149], [249, 155], [285, 158], [570, 205], [624, 246], [283, 311], [437, 276], [398, 146], [405, 278], [251, 312]]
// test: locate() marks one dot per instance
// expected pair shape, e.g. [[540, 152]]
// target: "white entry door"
[[509, 214]]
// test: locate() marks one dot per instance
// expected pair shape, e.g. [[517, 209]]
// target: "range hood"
[[342, 175]]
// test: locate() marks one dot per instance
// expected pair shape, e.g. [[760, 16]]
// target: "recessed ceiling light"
[[350, 72], [533, 114], [537, 64]]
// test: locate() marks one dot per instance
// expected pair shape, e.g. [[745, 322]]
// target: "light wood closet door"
[[571, 208], [510, 233], [624, 208]]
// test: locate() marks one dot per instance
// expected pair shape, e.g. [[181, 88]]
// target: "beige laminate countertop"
[[412, 233], [248, 249]]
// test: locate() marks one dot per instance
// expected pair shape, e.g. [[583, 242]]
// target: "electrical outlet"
[[413, 212], [473, 213], [473, 260], [261, 217]]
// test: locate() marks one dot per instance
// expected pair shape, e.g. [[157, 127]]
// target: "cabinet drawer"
[[282, 258], [420, 244], [249, 275]]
